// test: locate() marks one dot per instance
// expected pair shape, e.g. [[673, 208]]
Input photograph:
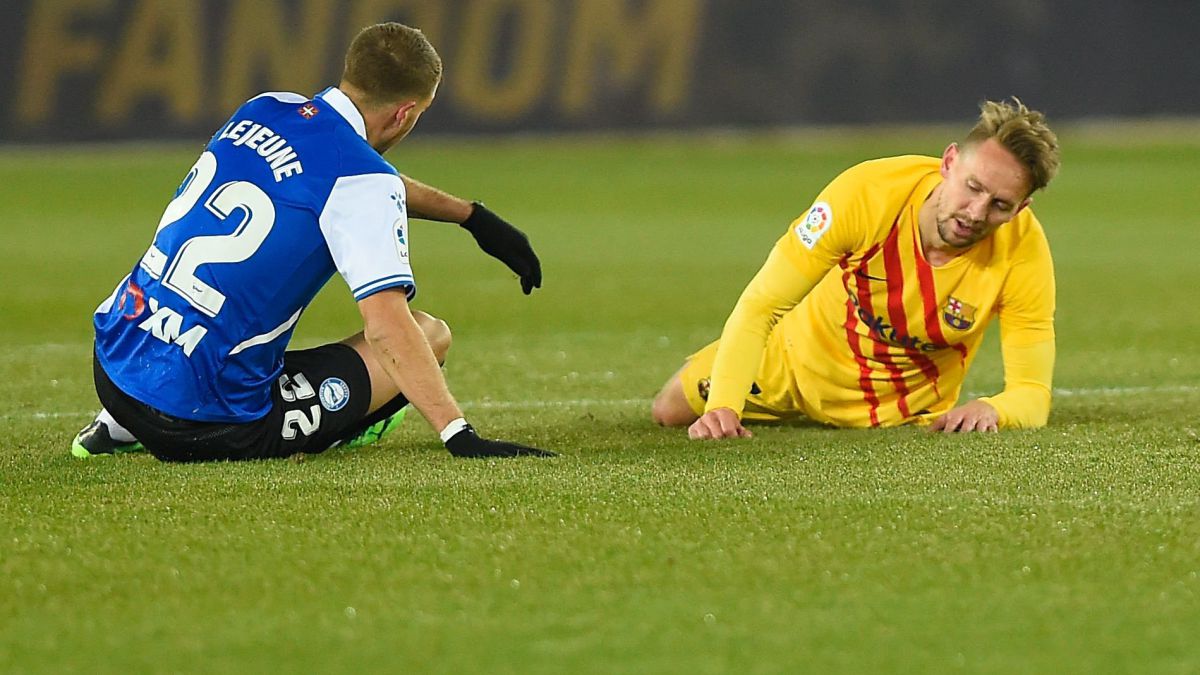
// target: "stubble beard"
[[945, 227]]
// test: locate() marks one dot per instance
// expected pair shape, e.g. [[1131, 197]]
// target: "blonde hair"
[[388, 62], [1024, 133]]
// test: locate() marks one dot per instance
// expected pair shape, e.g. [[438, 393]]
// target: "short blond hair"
[[389, 62], [1024, 133]]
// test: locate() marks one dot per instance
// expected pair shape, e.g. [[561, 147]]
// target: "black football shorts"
[[321, 398]]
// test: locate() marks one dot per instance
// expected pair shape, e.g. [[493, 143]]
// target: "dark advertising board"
[[142, 69]]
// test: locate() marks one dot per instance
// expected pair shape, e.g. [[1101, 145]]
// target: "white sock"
[[119, 433]]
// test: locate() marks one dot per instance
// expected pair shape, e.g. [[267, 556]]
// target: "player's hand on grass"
[[974, 416], [718, 423], [467, 443], [502, 241]]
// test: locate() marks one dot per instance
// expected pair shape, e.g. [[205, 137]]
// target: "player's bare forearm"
[[975, 415], [402, 349], [429, 203], [495, 236]]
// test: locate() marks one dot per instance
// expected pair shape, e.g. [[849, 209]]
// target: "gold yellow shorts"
[[773, 397]]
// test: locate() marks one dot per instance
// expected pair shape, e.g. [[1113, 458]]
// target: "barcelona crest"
[[958, 314]]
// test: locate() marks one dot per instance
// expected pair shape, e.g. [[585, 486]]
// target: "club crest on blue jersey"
[[958, 314], [308, 111], [136, 299], [334, 394]]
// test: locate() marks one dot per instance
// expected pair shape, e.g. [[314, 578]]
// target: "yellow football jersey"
[[875, 335]]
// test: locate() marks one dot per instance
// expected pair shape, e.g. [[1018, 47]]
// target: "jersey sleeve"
[[365, 224], [832, 227], [777, 287], [1026, 313], [837, 223], [1025, 401]]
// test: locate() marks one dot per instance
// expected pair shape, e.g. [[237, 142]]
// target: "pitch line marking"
[[1121, 391], [623, 402]]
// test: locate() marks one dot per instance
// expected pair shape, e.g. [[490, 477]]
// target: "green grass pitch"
[[1075, 548]]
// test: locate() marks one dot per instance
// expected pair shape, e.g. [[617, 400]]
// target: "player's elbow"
[[385, 315], [379, 333]]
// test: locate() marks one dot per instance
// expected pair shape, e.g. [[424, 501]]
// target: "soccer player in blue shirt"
[[190, 357]]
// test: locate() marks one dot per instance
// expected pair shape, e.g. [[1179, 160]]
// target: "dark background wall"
[[112, 69]]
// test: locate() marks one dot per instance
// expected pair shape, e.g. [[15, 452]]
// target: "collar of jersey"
[[340, 102]]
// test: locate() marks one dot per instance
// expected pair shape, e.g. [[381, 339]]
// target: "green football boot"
[[376, 431], [95, 441]]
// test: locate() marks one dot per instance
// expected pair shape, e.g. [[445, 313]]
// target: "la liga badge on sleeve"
[[814, 224]]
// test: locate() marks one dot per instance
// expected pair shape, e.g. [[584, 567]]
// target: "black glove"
[[467, 443], [506, 243]]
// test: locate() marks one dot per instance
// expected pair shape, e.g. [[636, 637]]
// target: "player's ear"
[[402, 113], [1023, 204], [948, 157]]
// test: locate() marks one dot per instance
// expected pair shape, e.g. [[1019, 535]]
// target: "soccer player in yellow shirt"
[[871, 307]]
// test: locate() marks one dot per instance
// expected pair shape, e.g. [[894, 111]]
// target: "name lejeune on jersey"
[[273, 148]]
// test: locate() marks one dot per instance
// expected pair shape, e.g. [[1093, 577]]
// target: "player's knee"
[[671, 409], [437, 332]]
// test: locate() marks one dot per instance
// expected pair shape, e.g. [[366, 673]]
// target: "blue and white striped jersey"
[[287, 192]]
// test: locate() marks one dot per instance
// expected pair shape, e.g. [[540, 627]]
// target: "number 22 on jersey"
[[178, 272]]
